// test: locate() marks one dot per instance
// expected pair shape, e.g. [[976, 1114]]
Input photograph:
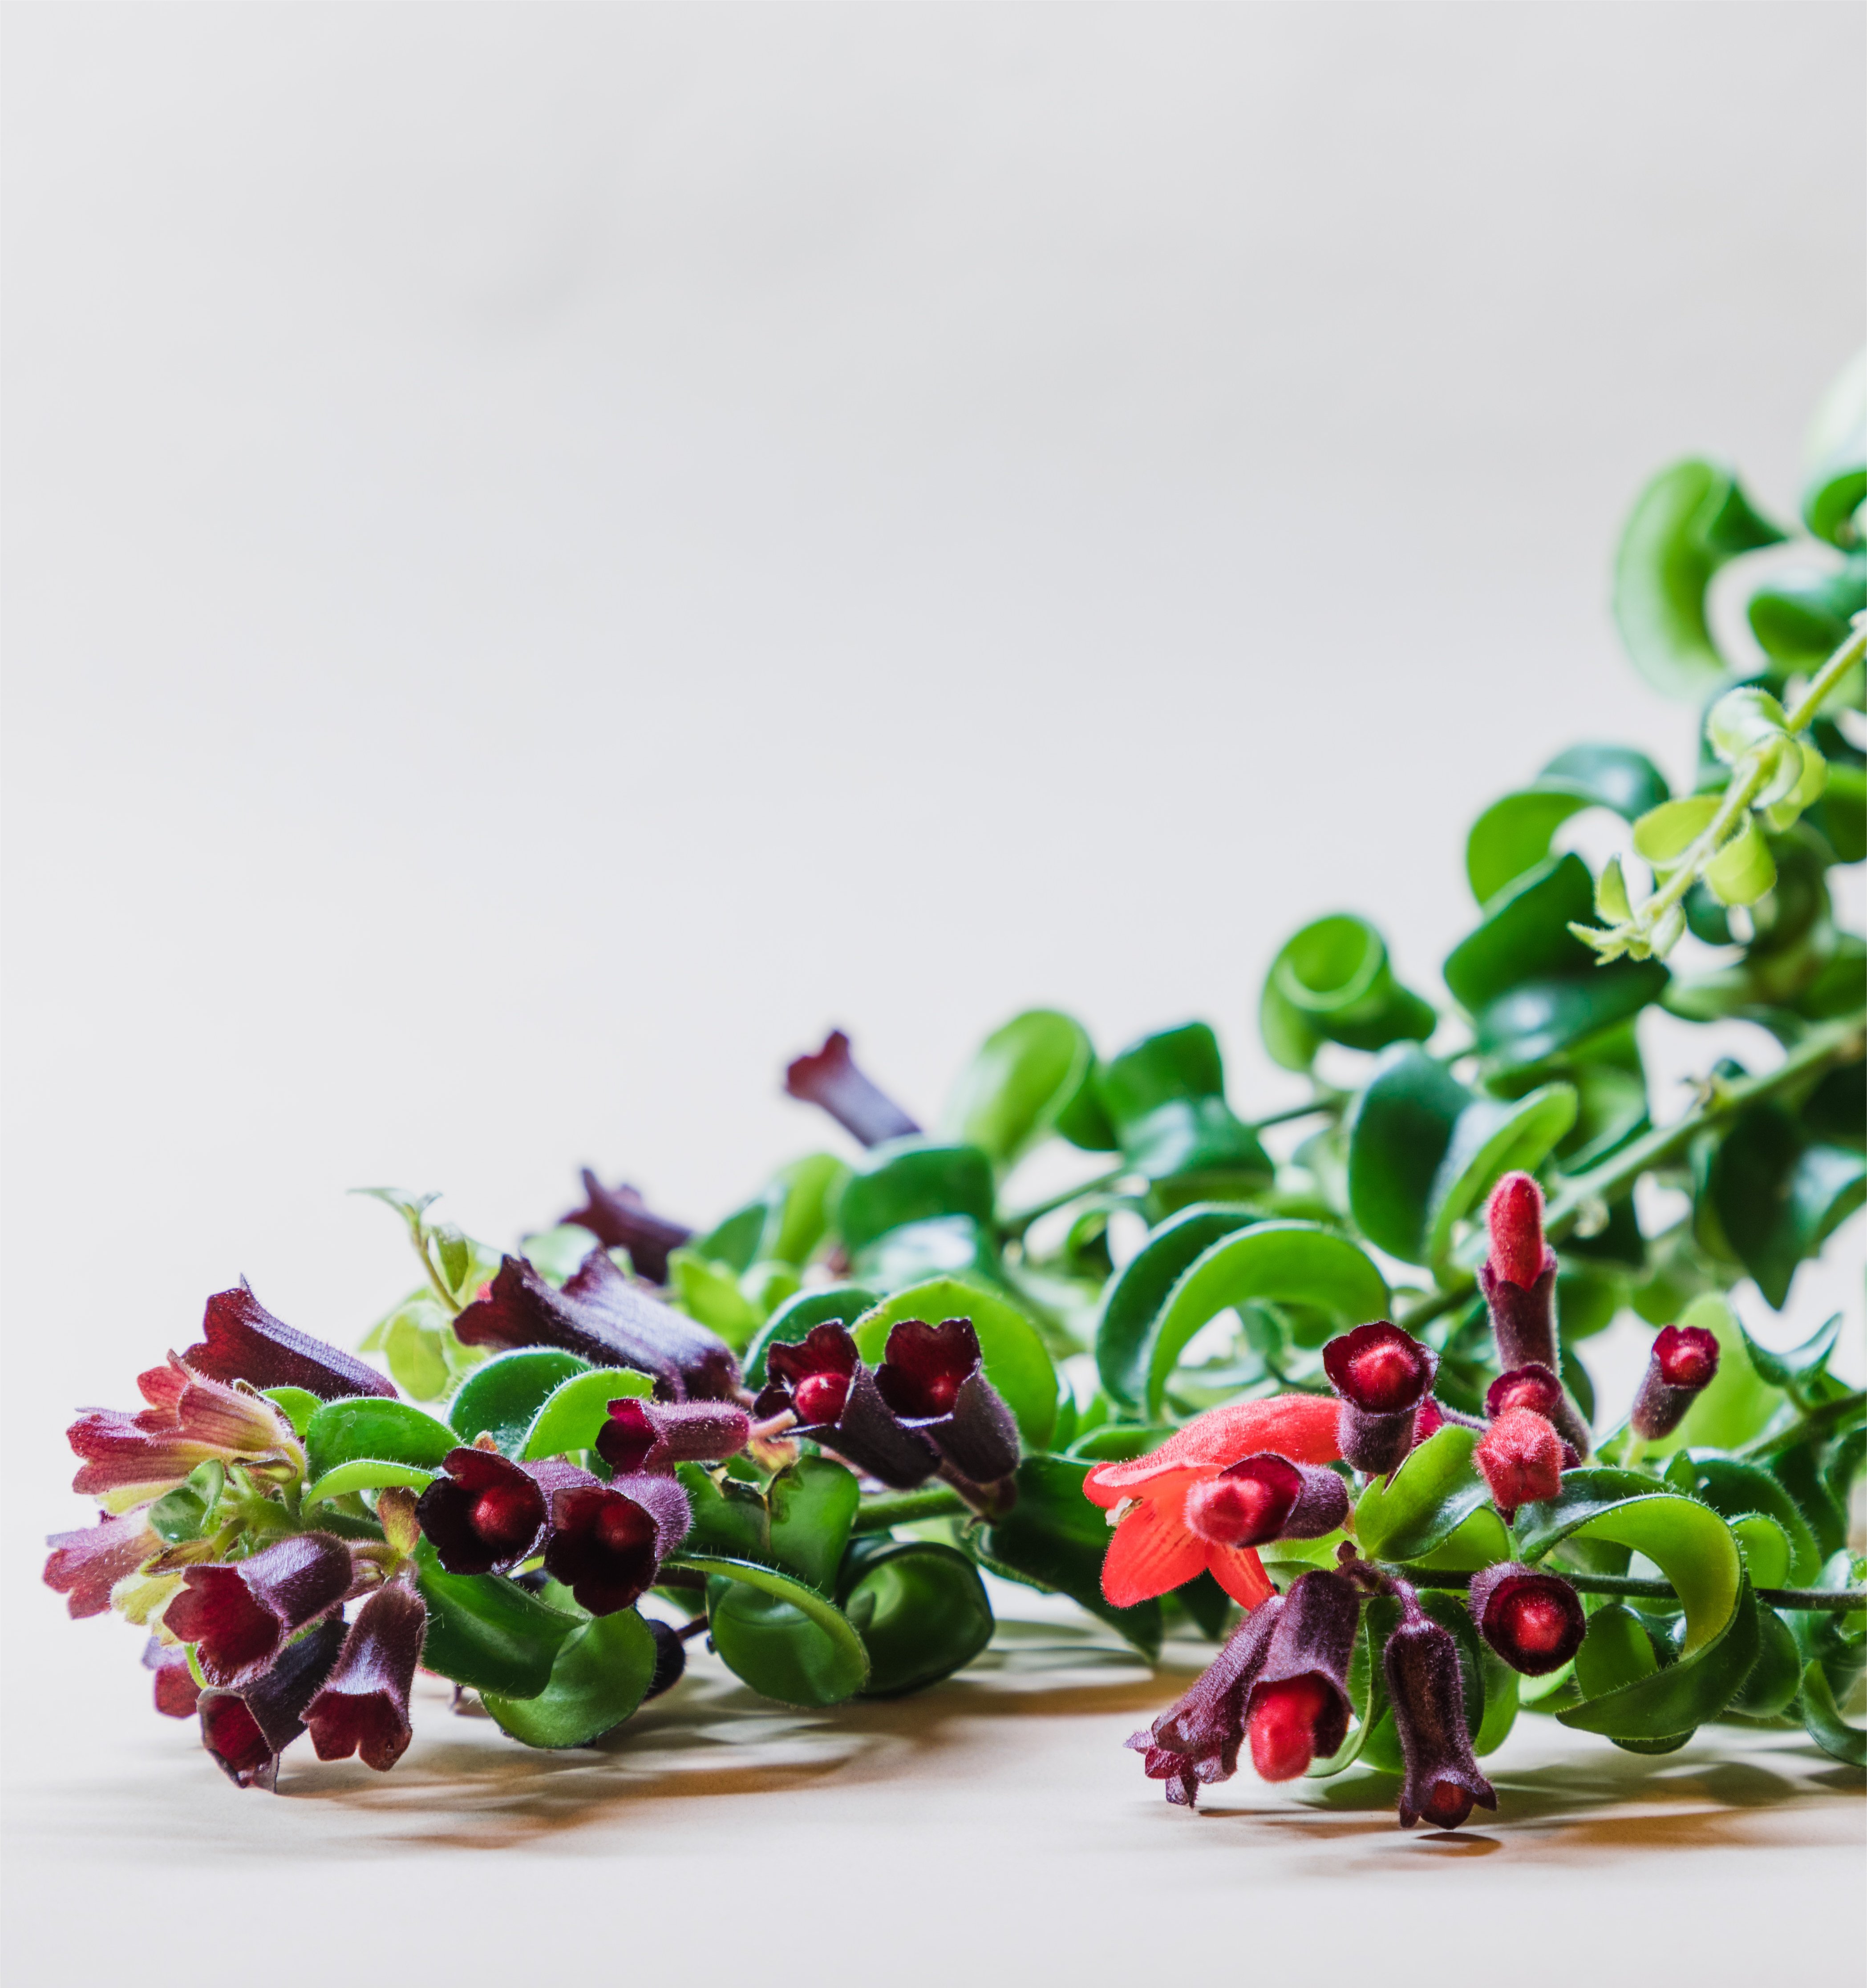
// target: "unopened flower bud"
[[1299, 1704], [831, 1079], [837, 1403], [1425, 1688], [933, 1377], [362, 1707], [655, 1435], [1534, 1387], [1266, 1497], [1535, 1621], [1684, 1359], [1521, 1456], [1518, 1254], [1381, 1375], [670, 1659]]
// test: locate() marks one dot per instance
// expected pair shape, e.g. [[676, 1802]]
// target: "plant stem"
[[902, 1508], [1831, 1601], [1324, 1102], [1015, 1225], [1825, 679], [1818, 1422]]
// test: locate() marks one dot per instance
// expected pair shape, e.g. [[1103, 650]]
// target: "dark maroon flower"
[[238, 1615], [362, 1707], [620, 1219], [1298, 1709], [247, 1729], [1425, 1687], [484, 1513], [933, 1377], [1683, 1361], [245, 1342], [1266, 1497], [656, 1435], [838, 1404], [1521, 1456], [608, 1541], [1382, 1375], [602, 1317], [87, 1563], [829, 1078], [176, 1692], [1535, 1621], [1197, 1740]]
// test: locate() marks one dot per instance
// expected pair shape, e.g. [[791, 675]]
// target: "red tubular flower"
[[132, 1458], [1384, 1376], [1154, 1548], [1521, 1456], [1298, 1708], [831, 1079], [1425, 1689], [825, 1384], [620, 1219], [1535, 1621], [176, 1692], [484, 1514], [604, 1318], [933, 1377], [1266, 1497], [244, 1342], [239, 1615], [1684, 1359], [362, 1707], [247, 1729], [87, 1563], [654, 1435], [608, 1541], [1197, 1740]]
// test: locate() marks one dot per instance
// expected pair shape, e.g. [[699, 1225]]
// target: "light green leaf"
[[601, 1674], [366, 1473], [572, 1416], [1016, 1361], [1664, 835]]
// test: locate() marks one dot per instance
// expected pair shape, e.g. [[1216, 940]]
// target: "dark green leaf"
[[1822, 1720], [729, 1517], [1023, 1075], [811, 1505], [1682, 1696], [1779, 1198], [1803, 618], [793, 1320], [601, 1675], [921, 1610], [1140, 1288], [502, 1398], [911, 1182], [782, 1638], [1734, 1487], [1776, 1677], [1513, 835], [1165, 1098], [1332, 982], [486, 1631], [368, 1425]]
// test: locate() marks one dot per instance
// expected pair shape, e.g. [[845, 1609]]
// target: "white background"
[[551, 553]]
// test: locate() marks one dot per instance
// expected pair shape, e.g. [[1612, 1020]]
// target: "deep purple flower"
[[362, 1707], [933, 1377], [836, 1401], [239, 1614], [1197, 1740], [1425, 1688], [1298, 1710], [620, 1219], [656, 1435], [1266, 1497], [603, 1317], [1382, 1375], [1683, 1361], [245, 1342], [484, 1513], [247, 1729], [829, 1078], [1535, 1621], [177, 1694], [1522, 1457], [608, 1541], [87, 1563]]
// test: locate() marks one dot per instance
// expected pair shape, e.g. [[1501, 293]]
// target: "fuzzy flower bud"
[[1519, 1255], [1684, 1359], [1535, 1621], [1521, 1456], [1266, 1497], [1425, 1688], [831, 1079], [1382, 1375], [655, 1435]]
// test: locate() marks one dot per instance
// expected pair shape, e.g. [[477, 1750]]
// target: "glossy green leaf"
[[734, 1242], [368, 1426], [709, 1291], [1400, 1130], [1435, 1491], [777, 1634], [1801, 619], [366, 1473], [1664, 836], [299, 1406], [914, 1181], [602, 1673], [486, 1631], [1017, 1362], [1796, 1365], [1744, 869], [811, 1505], [1765, 1547], [802, 1201], [1616, 1652], [178, 1515], [412, 1347], [1296, 1261], [573, 1414], [1686, 523], [1679, 1697], [1054, 1538], [1738, 1404], [1734, 1487], [1332, 982], [1779, 1197], [1513, 835], [1822, 1720], [1478, 1540], [792, 1321], [502, 1398], [1165, 1096], [921, 1610], [1136, 1294], [1023, 1076], [730, 1517]]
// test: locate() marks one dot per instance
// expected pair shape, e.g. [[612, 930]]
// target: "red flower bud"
[[1519, 1253], [608, 1541], [831, 1079], [1521, 1456], [1197, 1740], [1535, 1622], [246, 1730], [1683, 1361], [620, 1219], [362, 1707], [1282, 1726], [1299, 1704], [1534, 1387], [1425, 1689], [239, 1616], [176, 1693], [1382, 1375], [484, 1514], [655, 1435], [933, 1377], [838, 1403], [1266, 1497]]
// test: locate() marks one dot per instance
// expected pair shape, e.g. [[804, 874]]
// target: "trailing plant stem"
[[1831, 1601]]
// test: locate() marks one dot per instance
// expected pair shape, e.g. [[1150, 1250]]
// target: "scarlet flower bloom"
[[362, 1707], [656, 1435], [1384, 1376], [239, 1615], [1521, 1456], [245, 1730], [833, 1394], [87, 1563], [829, 1078], [1535, 1622], [608, 1541], [1154, 1548], [933, 1377], [1684, 1359], [131, 1459]]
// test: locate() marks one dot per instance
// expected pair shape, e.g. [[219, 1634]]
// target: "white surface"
[[550, 553]]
